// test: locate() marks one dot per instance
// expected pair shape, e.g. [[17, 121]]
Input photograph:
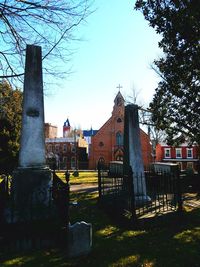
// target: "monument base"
[[31, 195], [141, 200]]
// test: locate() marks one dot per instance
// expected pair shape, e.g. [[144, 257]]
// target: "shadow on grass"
[[173, 242]]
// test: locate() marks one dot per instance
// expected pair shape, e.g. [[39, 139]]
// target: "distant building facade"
[[67, 152], [186, 156], [88, 136], [50, 130], [107, 143]]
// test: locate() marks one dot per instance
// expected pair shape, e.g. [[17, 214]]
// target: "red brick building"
[[107, 143], [186, 156], [67, 152], [50, 130]]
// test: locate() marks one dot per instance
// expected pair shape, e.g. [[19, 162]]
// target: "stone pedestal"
[[31, 195]]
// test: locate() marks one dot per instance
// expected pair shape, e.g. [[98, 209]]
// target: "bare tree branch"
[[50, 24]]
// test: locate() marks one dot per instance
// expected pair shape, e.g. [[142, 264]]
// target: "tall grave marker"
[[32, 180], [32, 150], [133, 153]]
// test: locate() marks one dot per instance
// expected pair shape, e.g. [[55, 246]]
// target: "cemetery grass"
[[174, 243], [85, 178]]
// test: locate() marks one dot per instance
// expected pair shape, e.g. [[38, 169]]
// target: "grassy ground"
[[174, 243], [84, 178]]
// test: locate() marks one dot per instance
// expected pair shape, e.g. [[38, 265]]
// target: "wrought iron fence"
[[60, 194], [3, 195], [138, 196], [115, 192], [31, 231]]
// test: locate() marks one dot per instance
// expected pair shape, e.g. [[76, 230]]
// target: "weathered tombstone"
[[32, 180], [80, 239], [133, 153]]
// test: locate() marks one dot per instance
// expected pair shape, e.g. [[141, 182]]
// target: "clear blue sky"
[[118, 47]]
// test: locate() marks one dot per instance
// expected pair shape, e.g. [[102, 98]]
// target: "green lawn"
[[84, 178], [174, 244]]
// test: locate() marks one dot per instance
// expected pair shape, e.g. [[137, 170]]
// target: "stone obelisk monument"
[[32, 149], [32, 180], [133, 153]]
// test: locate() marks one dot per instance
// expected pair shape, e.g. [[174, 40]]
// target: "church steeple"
[[66, 128], [118, 108], [119, 100]]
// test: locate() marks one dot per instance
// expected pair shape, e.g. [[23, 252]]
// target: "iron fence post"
[[99, 182], [132, 195], [67, 200], [179, 191]]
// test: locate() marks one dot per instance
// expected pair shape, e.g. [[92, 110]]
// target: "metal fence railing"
[[30, 231], [3, 196], [139, 195]]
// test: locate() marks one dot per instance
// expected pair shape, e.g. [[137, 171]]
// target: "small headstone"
[[80, 239]]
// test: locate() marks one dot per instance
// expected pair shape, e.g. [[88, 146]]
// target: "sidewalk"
[[84, 188]]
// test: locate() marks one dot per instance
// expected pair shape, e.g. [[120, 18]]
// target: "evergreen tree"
[[10, 124], [176, 103]]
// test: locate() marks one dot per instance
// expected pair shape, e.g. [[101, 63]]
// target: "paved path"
[[191, 200], [84, 188]]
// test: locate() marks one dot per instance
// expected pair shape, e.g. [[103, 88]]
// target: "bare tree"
[[134, 98], [48, 23], [145, 119]]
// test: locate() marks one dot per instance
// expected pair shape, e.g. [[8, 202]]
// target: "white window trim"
[[191, 149], [167, 157], [179, 149]]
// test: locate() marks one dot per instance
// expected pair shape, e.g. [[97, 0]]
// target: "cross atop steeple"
[[119, 87]]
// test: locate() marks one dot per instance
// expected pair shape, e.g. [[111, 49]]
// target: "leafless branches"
[[48, 23]]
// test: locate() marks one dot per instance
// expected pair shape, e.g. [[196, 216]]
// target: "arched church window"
[[101, 160], [50, 149], [119, 139], [101, 163], [119, 158]]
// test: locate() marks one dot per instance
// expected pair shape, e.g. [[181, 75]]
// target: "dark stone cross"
[[119, 87]]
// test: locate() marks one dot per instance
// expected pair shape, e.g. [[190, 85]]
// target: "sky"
[[117, 47]]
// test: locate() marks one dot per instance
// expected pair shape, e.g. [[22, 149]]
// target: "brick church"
[[107, 143]]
